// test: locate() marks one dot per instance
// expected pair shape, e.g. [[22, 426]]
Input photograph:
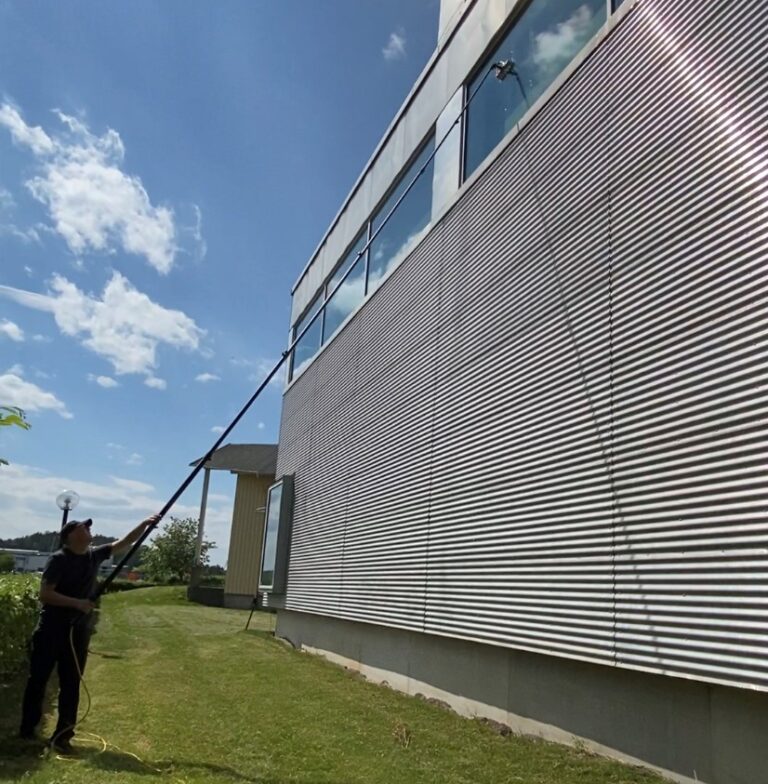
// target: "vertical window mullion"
[[463, 133], [367, 257]]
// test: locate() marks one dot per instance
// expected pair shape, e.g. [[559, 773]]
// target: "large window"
[[310, 341], [350, 293], [545, 38], [406, 226], [277, 531], [396, 239]]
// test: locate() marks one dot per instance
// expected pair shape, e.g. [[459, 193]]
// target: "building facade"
[[27, 560], [254, 467], [526, 413]]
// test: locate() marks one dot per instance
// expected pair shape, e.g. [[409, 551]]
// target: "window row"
[[539, 45], [386, 239]]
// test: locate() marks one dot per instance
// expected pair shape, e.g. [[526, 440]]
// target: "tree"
[[11, 415], [7, 562], [171, 555]]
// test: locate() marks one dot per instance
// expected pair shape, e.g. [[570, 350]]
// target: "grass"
[[197, 699]]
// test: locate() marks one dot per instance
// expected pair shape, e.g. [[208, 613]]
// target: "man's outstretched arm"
[[129, 539]]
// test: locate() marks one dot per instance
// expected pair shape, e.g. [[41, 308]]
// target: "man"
[[63, 631]]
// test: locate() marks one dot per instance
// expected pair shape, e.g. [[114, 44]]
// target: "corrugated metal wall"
[[547, 430], [246, 535]]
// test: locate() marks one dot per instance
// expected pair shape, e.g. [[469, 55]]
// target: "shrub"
[[18, 616], [216, 580], [7, 562]]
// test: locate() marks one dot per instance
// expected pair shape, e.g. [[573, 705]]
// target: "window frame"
[[297, 326], [430, 136], [282, 537], [363, 234], [611, 7]]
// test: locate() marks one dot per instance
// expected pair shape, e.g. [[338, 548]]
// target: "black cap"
[[70, 526]]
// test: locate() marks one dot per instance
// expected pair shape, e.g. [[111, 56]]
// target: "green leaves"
[[7, 562], [170, 556], [18, 616], [12, 415]]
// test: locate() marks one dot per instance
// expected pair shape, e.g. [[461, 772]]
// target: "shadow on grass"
[[116, 761], [102, 655], [17, 757]]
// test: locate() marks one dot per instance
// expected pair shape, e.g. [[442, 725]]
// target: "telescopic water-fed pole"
[[502, 69], [192, 474]]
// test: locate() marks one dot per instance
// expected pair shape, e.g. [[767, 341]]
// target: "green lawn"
[[184, 689]]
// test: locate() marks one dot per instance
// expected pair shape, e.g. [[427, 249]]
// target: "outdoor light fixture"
[[66, 501]]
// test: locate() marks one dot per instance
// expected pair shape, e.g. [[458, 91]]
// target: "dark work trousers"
[[51, 646]]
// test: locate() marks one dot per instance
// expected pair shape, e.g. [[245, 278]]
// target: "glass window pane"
[[351, 292], [548, 35], [309, 344], [270, 536], [407, 224]]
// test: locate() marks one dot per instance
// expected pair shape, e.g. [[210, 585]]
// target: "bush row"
[[213, 580], [121, 584], [18, 616]]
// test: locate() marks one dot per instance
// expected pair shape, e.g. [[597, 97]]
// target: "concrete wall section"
[[211, 596], [691, 732]]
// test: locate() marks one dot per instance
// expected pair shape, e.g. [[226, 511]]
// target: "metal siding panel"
[[547, 429], [689, 351]]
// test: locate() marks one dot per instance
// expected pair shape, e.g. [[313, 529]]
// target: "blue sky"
[[166, 170]]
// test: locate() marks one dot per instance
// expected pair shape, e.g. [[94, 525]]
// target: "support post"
[[197, 567]]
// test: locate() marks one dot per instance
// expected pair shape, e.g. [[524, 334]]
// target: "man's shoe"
[[29, 736], [63, 747]]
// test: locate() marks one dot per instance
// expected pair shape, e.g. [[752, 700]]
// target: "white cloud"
[[25, 235], [41, 339], [25, 135], [124, 326], [15, 391], [218, 429], [11, 330], [553, 48], [204, 378], [93, 204], [395, 48], [107, 382], [134, 485], [348, 296], [116, 504], [10, 229], [30, 272], [240, 362], [260, 426], [198, 247], [262, 368], [134, 459], [7, 202], [155, 383]]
